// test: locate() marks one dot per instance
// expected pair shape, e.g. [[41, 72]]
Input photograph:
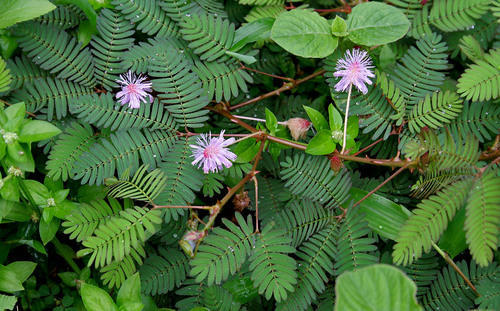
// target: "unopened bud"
[[298, 127], [336, 164]]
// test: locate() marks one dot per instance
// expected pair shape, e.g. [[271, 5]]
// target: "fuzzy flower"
[[298, 127], [354, 69], [134, 90], [211, 152]]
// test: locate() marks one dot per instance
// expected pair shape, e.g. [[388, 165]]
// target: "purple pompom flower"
[[134, 90], [354, 69], [211, 152]]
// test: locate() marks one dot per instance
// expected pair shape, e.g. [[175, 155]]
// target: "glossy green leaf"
[[375, 23], [9, 282], [15, 11], [335, 118], [48, 229], [383, 215], [322, 143], [22, 269], [96, 299], [129, 295], [36, 130], [374, 288], [317, 119], [256, 30], [353, 126], [304, 33], [339, 27], [247, 59]]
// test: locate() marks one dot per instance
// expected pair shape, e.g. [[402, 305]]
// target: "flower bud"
[[298, 127], [336, 164]]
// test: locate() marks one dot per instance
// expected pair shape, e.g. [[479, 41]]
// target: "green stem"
[[455, 267]]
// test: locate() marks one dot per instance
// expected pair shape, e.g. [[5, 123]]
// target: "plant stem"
[[254, 178], [247, 136], [456, 268], [256, 119], [346, 117], [285, 87], [267, 74], [207, 207], [401, 169]]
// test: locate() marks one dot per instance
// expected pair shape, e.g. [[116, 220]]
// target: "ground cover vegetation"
[[249, 155]]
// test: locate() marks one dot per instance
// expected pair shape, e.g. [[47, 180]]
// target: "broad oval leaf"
[[15, 11], [376, 287], [374, 23], [96, 299], [321, 144], [304, 33]]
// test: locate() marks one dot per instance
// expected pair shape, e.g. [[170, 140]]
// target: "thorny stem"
[[207, 207], [302, 146], [286, 86], [401, 169], [447, 258], [254, 178], [247, 136], [369, 146], [256, 119], [267, 74], [346, 117]]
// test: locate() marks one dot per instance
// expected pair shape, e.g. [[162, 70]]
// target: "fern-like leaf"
[[481, 81], [483, 218], [114, 274], [64, 17], [5, 77], [147, 16], [315, 264], [313, 178], [423, 271], [115, 36], [181, 90], [479, 119], [434, 111], [449, 290], [103, 111], [51, 96], [224, 251], [489, 289], [82, 222], [428, 222], [117, 237], [353, 248], [143, 186], [122, 152], [419, 72], [75, 140], [273, 271], [302, 219], [53, 49], [163, 272], [453, 15], [471, 48], [222, 80], [209, 36], [23, 70], [183, 178], [262, 2]]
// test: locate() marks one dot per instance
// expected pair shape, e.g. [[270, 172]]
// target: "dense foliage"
[[249, 155]]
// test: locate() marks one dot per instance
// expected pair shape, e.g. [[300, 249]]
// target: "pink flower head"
[[134, 90], [298, 127], [211, 152], [354, 68]]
